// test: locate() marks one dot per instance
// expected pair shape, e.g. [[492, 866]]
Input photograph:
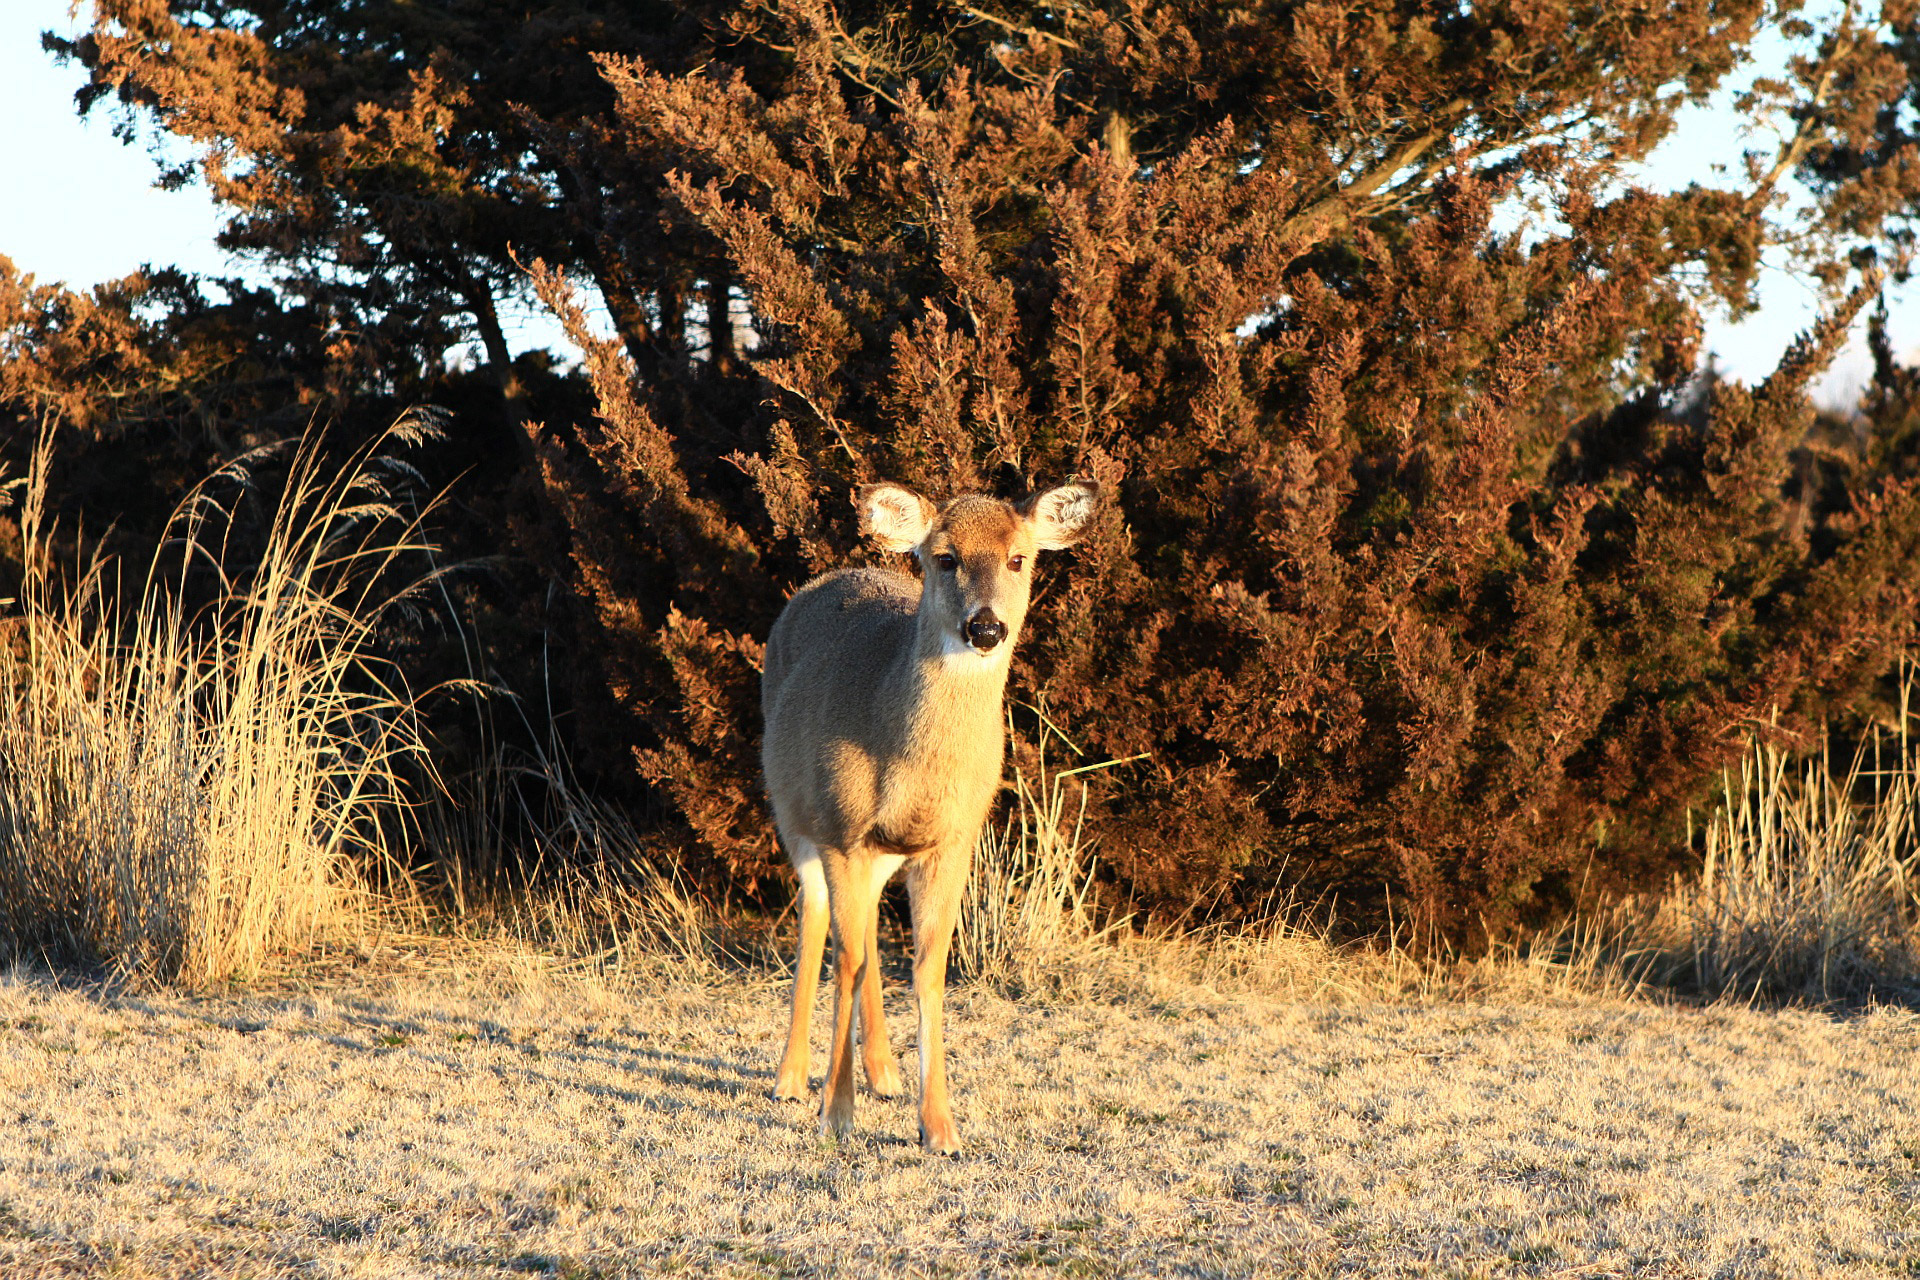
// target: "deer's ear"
[[896, 518], [1060, 516]]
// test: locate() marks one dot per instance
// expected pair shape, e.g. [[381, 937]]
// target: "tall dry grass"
[[1810, 883], [195, 780], [1807, 891], [1033, 924], [1029, 922], [522, 852]]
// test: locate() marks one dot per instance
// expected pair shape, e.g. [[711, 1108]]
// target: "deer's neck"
[[951, 691]]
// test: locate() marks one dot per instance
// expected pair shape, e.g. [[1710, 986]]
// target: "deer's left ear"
[[1060, 516]]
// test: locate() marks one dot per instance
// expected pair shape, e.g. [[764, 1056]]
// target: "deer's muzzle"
[[983, 631]]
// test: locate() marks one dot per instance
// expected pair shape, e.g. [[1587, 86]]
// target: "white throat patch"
[[957, 654]]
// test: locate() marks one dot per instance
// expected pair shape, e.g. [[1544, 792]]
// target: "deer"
[[883, 748]]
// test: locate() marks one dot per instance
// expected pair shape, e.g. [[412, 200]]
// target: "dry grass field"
[[494, 1118], [188, 798]]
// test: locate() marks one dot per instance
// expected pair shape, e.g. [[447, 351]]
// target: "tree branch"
[[1017, 29], [1336, 208]]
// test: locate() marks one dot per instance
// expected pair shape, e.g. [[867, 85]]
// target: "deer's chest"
[[940, 793]]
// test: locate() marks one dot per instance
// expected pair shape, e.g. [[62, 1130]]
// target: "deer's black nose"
[[983, 631]]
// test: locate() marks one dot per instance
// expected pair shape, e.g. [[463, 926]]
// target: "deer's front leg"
[[849, 902], [935, 884]]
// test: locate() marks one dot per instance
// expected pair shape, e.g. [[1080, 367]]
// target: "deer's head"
[[976, 556]]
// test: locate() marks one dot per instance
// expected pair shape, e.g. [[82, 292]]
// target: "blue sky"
[[91, 212]]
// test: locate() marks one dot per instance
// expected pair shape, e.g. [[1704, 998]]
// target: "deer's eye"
[[1017, 563], [946, 561]]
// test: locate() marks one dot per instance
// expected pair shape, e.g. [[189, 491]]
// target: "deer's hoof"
[[885, 1080], [940, 1139], [790, 1081], [836, 1122]]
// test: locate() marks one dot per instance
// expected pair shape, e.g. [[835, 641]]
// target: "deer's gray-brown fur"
[[883, 749]]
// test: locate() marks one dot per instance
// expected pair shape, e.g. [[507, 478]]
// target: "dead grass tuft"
[[189, 786], [1029, 921], [1806, 893], [1808, 889], [1031, 927], [527, 857]]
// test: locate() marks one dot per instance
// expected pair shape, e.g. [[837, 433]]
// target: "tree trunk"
[[493, 340], [720, 321]]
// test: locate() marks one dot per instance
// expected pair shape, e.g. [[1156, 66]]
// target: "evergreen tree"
[[1432, 568]]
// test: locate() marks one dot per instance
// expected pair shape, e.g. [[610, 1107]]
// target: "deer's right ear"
[[896, 518]]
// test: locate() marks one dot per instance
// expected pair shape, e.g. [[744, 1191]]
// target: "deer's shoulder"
[[858, 590]]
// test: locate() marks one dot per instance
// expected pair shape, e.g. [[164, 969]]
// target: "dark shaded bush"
[[1433, 571]]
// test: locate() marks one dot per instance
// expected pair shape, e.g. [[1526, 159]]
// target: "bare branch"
[[1017, 29]]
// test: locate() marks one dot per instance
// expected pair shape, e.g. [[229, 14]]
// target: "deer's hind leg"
[[883, 1069], [791, 1081]]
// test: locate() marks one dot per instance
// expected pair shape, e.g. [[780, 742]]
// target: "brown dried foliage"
[[1433, 569], [1426, 574]]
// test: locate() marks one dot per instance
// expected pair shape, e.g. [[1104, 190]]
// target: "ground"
[[500, 1121]]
